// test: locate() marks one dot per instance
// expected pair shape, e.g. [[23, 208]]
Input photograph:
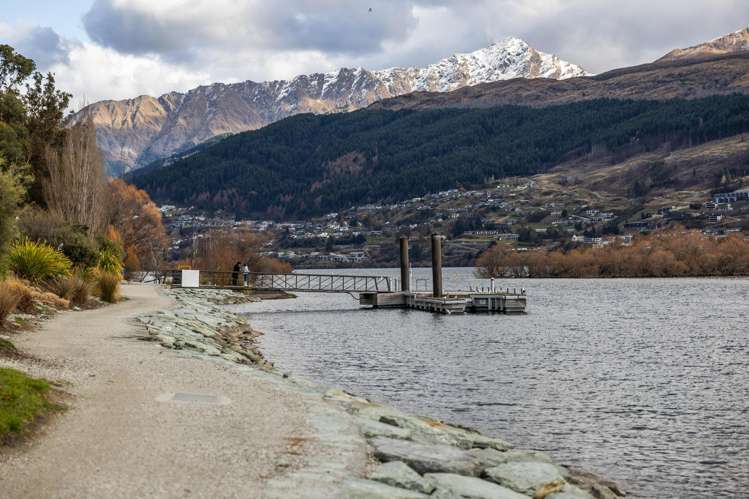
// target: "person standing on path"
[[235, 274], [246, 272]]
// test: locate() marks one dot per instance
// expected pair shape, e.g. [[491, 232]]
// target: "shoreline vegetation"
[[412, 456], [673, 253]]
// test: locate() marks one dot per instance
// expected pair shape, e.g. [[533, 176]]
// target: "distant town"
[[512, 210]]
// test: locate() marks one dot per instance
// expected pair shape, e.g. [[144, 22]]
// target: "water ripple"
[[643, 381]]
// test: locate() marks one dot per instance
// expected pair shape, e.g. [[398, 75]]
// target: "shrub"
[[50, 299], [30, 297], [61, 286], [11, 194], [81, 250], [109, 262], [8, 301], [37, 262], [266, 264], [81, 291], [24, 293], [108, 286], [45, 227], [76, 288], [132, 262]]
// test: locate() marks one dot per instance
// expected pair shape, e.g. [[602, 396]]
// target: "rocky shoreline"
[[408, 456]]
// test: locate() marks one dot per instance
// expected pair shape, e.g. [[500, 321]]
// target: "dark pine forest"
[[313, 164]]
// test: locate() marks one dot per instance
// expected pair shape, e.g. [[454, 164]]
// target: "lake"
[[643, 381]]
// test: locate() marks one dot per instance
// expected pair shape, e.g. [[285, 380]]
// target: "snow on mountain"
[[134, 132]]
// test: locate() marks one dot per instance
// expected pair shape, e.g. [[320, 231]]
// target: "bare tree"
[[76, 187]]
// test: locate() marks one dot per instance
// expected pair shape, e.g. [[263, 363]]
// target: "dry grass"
[[81, 292], [50, 300], [8, 301], [108, 286], [24, 293], [30, 296], [76, 288], [61, 286]]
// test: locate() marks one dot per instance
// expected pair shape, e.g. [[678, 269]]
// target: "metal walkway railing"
[[317, 283]]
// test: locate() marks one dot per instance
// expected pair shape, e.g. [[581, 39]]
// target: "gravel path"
[[145, 421]]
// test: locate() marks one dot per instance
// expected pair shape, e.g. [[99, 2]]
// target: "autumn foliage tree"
[[138, 223], [220, 249], [672, 253]]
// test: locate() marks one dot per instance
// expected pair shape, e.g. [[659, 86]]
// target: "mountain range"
[[425, 141], [134, 132]]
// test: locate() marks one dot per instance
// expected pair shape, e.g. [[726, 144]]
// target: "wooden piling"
[[405, 277], [436, 265]]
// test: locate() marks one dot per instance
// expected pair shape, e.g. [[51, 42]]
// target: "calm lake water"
[[644, 381]]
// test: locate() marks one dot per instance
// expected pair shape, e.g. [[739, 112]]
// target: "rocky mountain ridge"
[[738, 41], [687, 78], [135, 132]]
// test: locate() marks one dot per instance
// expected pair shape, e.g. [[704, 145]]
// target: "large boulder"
[[399, 474], [493, 457], [371, 429], [594, 485], [368, 489], [426, 458], [530, 478], [451, 485], [420, 429], [570, 492], [432, 431]]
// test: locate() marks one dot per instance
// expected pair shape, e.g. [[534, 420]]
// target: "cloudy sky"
[[113, 49]]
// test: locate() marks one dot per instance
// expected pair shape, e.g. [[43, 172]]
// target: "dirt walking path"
[[145, 421]]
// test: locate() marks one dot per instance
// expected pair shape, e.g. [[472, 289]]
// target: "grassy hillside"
[[314, 164]]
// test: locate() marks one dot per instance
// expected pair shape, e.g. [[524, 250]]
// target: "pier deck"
[[451, 303]]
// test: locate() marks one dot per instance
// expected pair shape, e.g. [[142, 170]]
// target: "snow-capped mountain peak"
[[134, 132], [503, 60]]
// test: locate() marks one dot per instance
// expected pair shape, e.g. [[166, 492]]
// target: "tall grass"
[[8, 301], [24, 293], [109, 262], [108, 286], [30, 298], [37, 262], [76, 287]]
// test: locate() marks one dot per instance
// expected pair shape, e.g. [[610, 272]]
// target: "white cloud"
[[147, 46], [181, 29], [96, 73], [42, 44]]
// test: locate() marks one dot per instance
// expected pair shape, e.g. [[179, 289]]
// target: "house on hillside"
[[731, 197]]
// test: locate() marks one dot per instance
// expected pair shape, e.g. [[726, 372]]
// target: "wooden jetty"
[[372, 291], [453, 303]]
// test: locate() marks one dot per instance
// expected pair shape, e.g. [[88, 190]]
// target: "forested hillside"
[[314, 164]]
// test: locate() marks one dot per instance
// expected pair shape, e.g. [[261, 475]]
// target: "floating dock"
[[454, 303]]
